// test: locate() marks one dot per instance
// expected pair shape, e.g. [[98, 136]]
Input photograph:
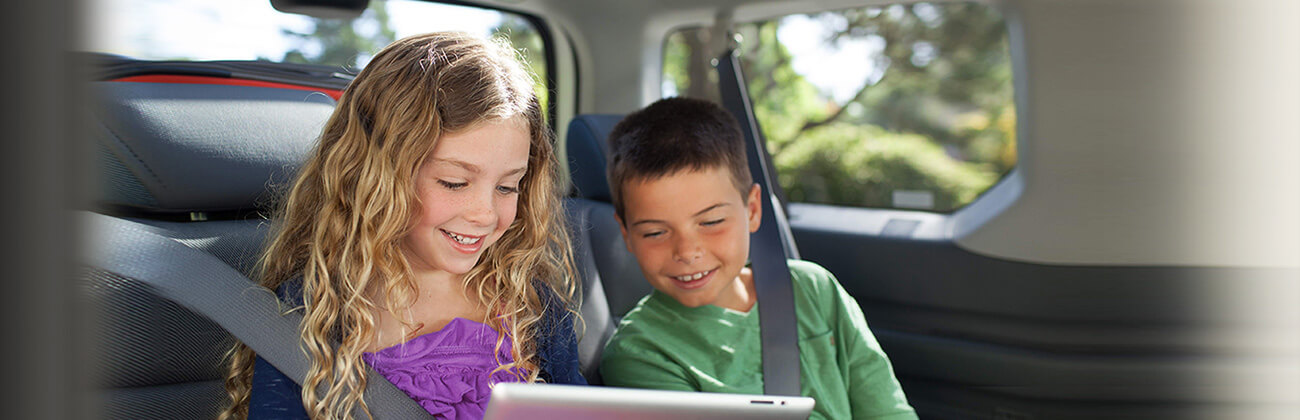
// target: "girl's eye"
[[452, 185], [712, 222], [507, 190]]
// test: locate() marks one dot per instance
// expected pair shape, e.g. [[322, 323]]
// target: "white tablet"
[[512, 401]]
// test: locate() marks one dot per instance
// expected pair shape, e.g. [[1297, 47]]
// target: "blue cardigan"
[[275, 396]]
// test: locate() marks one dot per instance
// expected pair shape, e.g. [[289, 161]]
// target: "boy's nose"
[[687, 250]]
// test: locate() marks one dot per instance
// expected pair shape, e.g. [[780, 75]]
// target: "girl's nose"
[[479, 210]]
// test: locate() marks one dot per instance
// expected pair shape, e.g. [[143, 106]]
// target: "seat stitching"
[[142, 163]]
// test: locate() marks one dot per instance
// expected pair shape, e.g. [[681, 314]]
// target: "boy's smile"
[[694, 281], [690, 233]]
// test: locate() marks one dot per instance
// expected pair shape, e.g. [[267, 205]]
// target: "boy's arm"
[[874, 391], [626, 368]]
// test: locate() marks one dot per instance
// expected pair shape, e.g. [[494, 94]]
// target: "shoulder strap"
[[769, 247], [206, 285]]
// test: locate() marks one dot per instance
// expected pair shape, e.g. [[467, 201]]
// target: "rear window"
[[906, 106], [253, 30]]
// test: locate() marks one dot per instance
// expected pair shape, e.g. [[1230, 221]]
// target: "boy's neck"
[[740, 295]]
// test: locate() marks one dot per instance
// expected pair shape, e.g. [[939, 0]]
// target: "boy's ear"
[[755, 208], [622, 228]]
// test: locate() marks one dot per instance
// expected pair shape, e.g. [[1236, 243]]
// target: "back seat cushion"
[[620, 276], [183, 148], [587, 152], [174, 149], [612, 280]]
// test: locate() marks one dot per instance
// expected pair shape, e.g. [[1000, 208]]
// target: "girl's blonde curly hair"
[[341, 224]]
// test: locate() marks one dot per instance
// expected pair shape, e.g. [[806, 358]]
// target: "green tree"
[[938, 118], [528, 42], [347, 42], [948, 77]]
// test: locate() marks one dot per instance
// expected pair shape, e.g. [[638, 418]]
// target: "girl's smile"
[[468, 188], [464, 243]]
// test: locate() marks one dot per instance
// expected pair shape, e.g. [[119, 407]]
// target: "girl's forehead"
[[502, 142], [519, 121]]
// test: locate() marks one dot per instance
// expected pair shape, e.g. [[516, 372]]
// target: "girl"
[[423, 237]]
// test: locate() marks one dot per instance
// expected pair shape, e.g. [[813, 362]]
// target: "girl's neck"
[[440, 297], [438, 282]]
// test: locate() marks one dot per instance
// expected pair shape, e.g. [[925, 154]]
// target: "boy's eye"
[[712, 222], [507, 189], [652, 234], [452, 185]]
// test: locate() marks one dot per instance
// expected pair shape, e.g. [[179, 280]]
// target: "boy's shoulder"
[[808, 268], [811, 278], [639, 331], [643, 318], [657, 316], [653, 310], [639, 310]]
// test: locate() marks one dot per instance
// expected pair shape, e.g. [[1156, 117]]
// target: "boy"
[[686, 204]]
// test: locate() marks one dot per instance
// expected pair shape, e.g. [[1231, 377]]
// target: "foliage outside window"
[[904, 106], [253, 30]]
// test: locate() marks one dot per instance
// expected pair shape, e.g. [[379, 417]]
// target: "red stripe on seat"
[[207, 80]]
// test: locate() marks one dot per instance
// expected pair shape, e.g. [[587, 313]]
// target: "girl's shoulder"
[[290, 292], [548, 295], [557, 313], [557, 343]]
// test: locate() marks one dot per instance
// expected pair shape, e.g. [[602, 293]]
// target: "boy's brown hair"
[[672, 135]]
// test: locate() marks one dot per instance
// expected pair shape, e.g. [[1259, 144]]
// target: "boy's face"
[[690, 233]]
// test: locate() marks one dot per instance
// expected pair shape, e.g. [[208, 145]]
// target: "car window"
[[253, 30], [901, 106]]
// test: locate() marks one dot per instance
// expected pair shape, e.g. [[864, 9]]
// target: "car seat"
[[612, 280], [191, 162]]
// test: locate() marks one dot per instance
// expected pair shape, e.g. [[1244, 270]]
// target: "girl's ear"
[[755, 208]]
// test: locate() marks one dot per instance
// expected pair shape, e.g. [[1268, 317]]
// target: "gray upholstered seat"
[[612, 281], [193, 163]]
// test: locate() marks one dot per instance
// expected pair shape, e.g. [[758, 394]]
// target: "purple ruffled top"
[[447, 371]]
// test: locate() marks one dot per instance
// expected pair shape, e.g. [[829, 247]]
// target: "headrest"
[[588, 150], [174, 148]]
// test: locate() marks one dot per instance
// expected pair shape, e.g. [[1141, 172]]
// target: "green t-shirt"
[[662, 344]]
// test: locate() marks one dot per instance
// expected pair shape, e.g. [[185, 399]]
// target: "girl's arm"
[[274, 395], [558, 343]]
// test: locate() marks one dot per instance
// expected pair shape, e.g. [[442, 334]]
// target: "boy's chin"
[[688, 301]]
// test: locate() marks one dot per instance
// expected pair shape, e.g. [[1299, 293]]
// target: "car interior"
[[1066, 290], [204, 188]]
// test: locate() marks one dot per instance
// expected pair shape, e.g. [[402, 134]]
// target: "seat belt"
[[768, 248], [206, 285]]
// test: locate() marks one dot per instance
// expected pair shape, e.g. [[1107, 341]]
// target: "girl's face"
[[468, 189]]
